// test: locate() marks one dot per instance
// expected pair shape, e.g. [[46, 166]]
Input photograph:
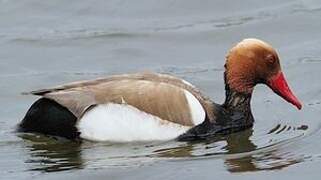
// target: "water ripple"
[[238, 150]]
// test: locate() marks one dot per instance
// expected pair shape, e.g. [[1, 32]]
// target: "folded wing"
[[161, 95]]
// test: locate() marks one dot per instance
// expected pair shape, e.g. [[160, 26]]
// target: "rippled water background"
[[45, 43]]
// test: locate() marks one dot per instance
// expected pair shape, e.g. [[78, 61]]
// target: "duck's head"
[[253, 61]]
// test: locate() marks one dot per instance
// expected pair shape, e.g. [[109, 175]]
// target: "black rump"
[[48, 117]]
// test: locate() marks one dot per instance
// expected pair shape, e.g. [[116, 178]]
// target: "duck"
[[150, 106]]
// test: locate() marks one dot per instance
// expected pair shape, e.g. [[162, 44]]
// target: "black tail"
[[48, 117]]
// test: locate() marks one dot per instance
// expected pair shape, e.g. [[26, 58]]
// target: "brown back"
[[157, 94]]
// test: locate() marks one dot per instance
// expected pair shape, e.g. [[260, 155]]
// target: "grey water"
[[47, 43]]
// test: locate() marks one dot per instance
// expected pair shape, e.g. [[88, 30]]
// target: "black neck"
[[232, 116], [238, 103]]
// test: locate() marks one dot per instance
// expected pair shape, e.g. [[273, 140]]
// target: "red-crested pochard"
[[151, 106]]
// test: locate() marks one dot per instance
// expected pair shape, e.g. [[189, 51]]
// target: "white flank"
[[187, 83], [123, 123], [197, 111]]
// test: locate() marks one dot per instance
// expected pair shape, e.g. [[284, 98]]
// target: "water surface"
[[49, 43]]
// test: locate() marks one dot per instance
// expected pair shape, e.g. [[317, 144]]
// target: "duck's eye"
[[270, 59]]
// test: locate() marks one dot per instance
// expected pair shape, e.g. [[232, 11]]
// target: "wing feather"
[[158, 94]]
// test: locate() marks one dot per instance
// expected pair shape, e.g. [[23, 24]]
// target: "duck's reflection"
[[241, 143], [48, 154], [236, 151]]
